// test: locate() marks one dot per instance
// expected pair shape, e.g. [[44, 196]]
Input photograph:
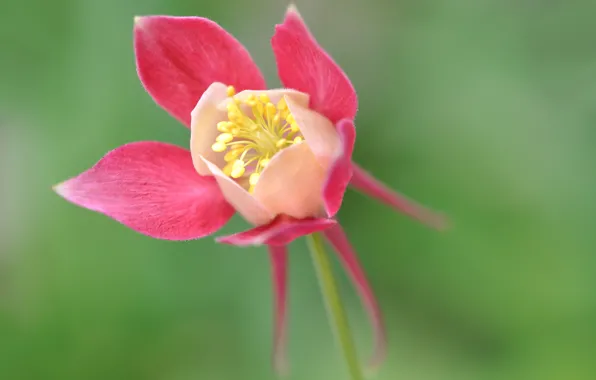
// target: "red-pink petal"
[[152, 188], [339, 241], [369, 185], [280, 231], [279, 271], [303, 65], [179, 57], [340, 172]]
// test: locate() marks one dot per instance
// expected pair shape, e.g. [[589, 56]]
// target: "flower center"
[[255, 131]]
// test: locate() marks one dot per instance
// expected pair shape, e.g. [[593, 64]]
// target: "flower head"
[[268, 151], [281, 158]]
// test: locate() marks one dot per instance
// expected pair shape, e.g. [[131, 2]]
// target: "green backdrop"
[[484, 109]]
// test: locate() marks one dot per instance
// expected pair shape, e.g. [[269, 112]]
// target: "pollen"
[[255, 131], [237, 169], [225, 138], [281, 142], [254, 178], [224, 126], [218, 146], [264, 98]]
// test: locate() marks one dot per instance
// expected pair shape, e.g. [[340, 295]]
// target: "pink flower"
[[280, 158]]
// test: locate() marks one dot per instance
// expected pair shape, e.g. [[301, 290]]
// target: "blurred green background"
[[485, 109]]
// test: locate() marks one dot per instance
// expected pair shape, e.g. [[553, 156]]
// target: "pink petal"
[[281, 231], [339, 241], [291, 184], [152, 188], [340, 173], [369, 185], [304, 66], [179, 57], [279, 263], [246, 205], [318, 131]]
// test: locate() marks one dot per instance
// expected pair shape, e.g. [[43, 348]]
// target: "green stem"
[[335, 310]]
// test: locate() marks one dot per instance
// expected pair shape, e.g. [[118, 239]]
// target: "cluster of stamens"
[[249, 142]]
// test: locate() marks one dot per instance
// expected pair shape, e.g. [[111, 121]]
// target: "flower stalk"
[[335, 310]]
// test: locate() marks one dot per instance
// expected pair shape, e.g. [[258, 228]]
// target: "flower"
[[280, 158]]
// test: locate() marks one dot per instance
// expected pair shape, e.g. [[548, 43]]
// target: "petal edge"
[[177, 58], [280, 231], [338, 239], [279, 272], [340, 172], [302, 64], [369, 185], [152, 188]]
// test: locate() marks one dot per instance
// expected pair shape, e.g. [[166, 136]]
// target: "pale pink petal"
[[152, 188], [346, 254], [304, 66], [367, 184], [179, 57], [319, 133], [340, 172], [203, 130], [275, 95], [246, 205], [281, 231], [279, 271], [291, 184]]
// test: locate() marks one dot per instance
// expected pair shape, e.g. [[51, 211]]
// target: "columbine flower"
[[280, 158]]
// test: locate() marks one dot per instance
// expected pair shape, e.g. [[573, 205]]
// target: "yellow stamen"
[[254, 178], [233, 154], [228, 169], [264, 98], [225, 138], [260, 108], [234, 117], [224, 126], [271, 109], [237, 172], [281, 142], [237, 169], [218, 147], [255, 131]]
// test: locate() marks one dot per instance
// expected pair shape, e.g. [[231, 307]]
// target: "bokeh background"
[[485, 109]]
